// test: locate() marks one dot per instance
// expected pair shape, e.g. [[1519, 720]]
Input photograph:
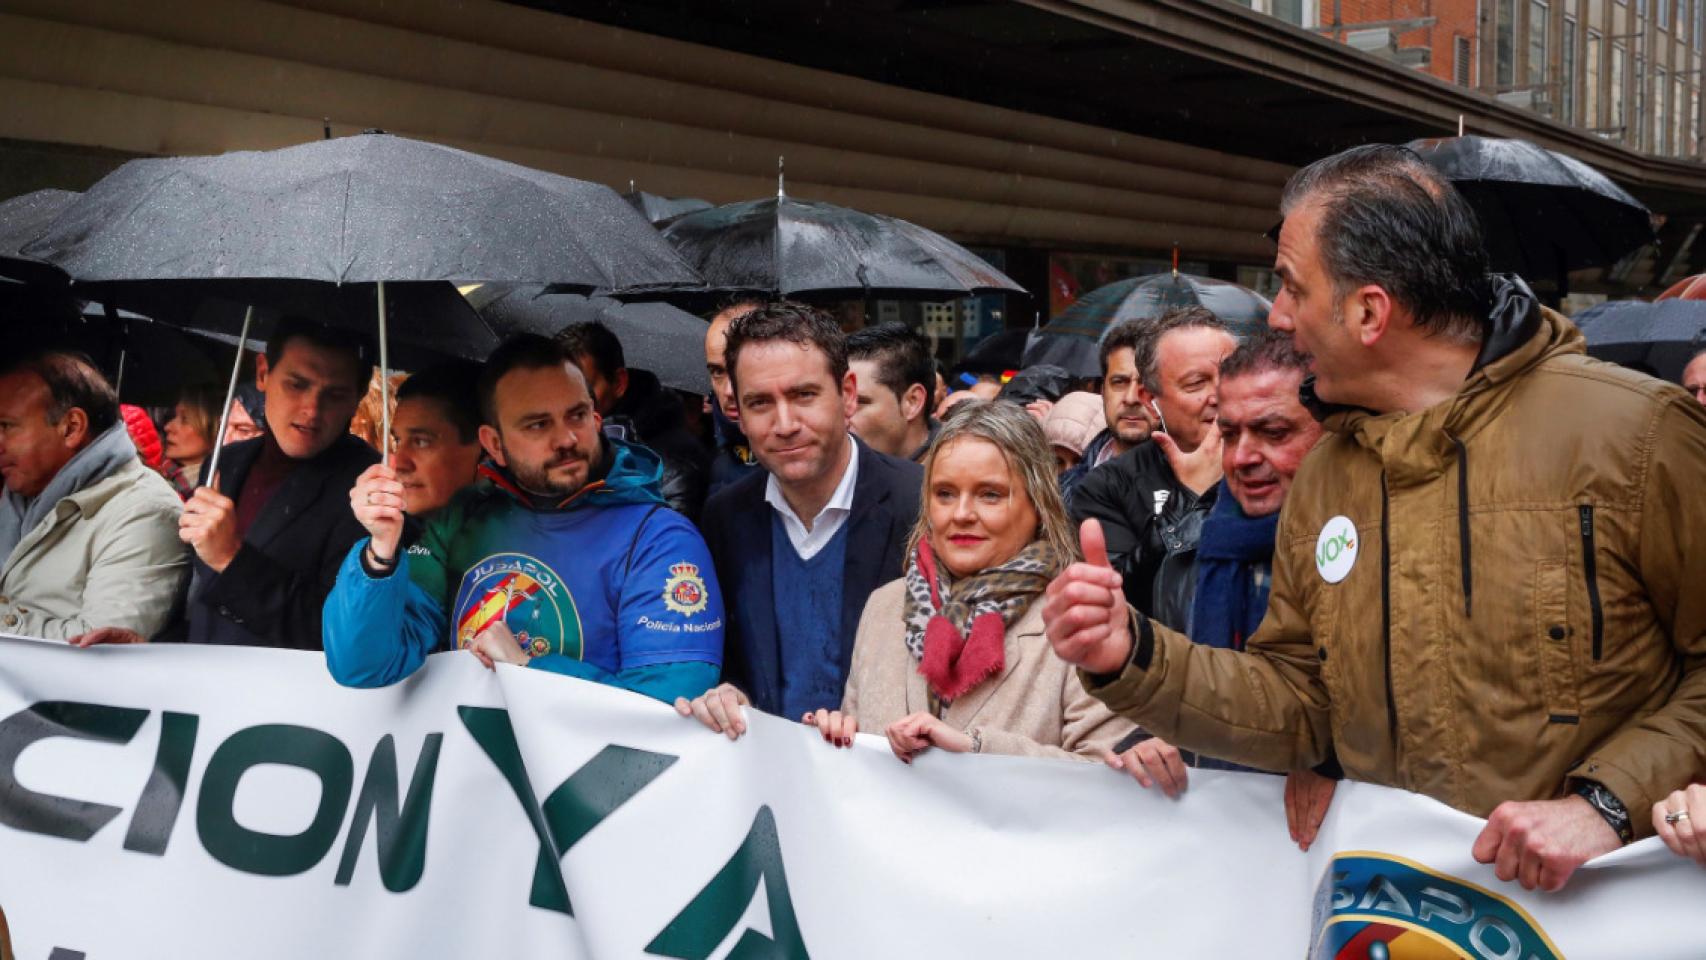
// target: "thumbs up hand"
[[1085, 610]]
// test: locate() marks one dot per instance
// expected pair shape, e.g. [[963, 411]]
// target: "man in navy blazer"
[[800, 545]]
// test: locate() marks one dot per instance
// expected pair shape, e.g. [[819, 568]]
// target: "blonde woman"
[[953, 654]]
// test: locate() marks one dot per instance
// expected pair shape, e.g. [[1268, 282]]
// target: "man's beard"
[[536, 478]]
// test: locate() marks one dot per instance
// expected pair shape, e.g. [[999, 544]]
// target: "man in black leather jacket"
[[1152, 499], [638, 409]]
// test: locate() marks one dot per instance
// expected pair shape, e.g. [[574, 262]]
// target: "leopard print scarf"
[[1007, 591]]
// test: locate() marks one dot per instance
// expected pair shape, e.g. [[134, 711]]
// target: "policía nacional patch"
[[684, 591]]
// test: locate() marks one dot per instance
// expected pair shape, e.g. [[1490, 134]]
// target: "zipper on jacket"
[[1386, 611], [1590, 571]]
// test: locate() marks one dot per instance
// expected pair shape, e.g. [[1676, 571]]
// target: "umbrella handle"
[[230, 393], [384, 384]]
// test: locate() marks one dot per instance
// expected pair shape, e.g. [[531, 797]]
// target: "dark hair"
[[524, 351], [73, 381], [902, 357], [1126, 333], [592, 339], [1267, 350], [796, 323], [358, 346], [1148, 350], [1390, 219], [455, 386]]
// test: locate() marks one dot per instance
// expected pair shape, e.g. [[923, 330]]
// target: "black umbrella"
[[665, 340], [1543, 214], [364, 210], [1658, 338], [22, 219], [659, 210], [998, 353], [1073, 339], [781, 247]]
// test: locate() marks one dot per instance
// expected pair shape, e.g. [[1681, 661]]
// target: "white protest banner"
[[182, 802]]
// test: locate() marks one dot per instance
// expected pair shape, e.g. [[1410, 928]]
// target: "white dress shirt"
[[807, 543]]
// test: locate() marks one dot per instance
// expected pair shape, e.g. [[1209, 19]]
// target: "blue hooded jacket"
[[607, 585]]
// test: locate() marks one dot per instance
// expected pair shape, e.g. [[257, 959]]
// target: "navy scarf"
[[1226, 610]]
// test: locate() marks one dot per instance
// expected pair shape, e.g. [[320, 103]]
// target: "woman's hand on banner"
[[377, 501], [913, 734], [837, 728], [718, 708], [1152, 762]]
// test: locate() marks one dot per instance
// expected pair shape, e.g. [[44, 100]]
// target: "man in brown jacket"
[[1490, 577]]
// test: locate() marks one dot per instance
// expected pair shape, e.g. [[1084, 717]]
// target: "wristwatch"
[[1606, 804]]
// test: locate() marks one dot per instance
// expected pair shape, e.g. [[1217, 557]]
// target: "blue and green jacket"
[[607, 585]]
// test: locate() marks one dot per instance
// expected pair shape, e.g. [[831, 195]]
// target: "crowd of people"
[[1410, 535]]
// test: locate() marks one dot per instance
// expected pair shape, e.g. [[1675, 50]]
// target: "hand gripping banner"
[[195, 802]]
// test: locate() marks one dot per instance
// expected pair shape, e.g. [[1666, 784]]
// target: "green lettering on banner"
[[706, 922], [267, 854], [579, 803], [44, 813], [400, 839], [157, 809]]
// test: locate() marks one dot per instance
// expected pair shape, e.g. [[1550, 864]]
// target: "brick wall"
[[1456, 18]]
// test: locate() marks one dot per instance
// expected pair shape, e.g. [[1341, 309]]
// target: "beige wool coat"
[[1036, 707]]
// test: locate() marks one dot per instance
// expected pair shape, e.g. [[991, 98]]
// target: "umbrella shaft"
[[230, 394], [384, 384]]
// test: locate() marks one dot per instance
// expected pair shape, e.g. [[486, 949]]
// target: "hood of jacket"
[[104, 456], [634, 475]]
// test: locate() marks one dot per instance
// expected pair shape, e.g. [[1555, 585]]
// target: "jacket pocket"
[[1590, 572], [1554, 637]]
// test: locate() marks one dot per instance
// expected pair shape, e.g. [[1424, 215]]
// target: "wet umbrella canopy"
[[22, 219], [1543, 213], [1659, 337], [781, 247], [366, 209], [358, 209], [660, 210], [1073, 339], [657, 337]]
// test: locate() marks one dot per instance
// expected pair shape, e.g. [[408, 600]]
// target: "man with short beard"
[[1128, 417], [563, 556]]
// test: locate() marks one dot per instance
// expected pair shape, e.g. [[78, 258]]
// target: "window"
[[1683, 21], [1615, 92], [1694, 119], [1638, 116], [1505, 50], [1567, 78], [1539, 19], [1460, 61], [1663, 11], [1680, 100], [1661, 132], [1590, 87]]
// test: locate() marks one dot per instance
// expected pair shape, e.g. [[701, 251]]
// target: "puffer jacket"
[[1525, 600]]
